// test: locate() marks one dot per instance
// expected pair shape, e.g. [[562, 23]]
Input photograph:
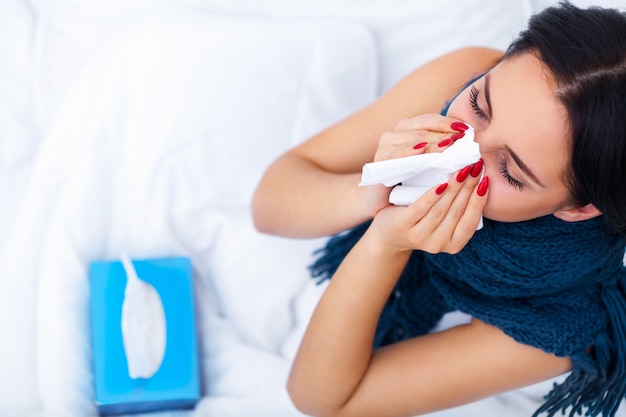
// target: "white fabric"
[[150, 168], [19, 137]]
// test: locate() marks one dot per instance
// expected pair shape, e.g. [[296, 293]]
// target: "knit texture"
[[547, 283]]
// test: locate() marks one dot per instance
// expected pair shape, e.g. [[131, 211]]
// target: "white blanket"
[[136, 164]]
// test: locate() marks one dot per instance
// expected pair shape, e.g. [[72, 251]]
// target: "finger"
[[395, 145], [451, 207], [425, 214], [433, 122], [451, 210], [463, 216], [445, 143], [433, 133], [442, 141], [402, 144], [422, 207], [467, 225]]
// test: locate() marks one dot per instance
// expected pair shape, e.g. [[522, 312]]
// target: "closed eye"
[[504, 171], [473, 99]]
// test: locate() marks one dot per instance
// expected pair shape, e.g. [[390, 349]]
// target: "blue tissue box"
[[177, 382]]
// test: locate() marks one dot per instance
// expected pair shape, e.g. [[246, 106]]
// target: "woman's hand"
[[421, 134], [415, 136], [442, 220]]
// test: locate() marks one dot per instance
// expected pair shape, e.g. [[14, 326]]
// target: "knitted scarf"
[[547, 283]]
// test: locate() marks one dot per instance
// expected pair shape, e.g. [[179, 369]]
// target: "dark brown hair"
[[585, 50]]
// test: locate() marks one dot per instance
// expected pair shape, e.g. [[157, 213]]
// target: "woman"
[[543, 280]]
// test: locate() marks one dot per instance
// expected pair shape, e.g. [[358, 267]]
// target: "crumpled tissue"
[[412, 176], [143, 325]]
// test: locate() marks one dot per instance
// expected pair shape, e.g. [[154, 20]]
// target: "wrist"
[[371, 198], [381, 249]]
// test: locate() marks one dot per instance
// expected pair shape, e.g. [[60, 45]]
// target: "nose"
[[485, 145]]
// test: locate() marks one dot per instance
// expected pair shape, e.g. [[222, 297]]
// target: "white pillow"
[[408, 33]]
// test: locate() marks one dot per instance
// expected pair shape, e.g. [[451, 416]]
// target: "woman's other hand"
[[421, 134], [414, 136], [442, 220]]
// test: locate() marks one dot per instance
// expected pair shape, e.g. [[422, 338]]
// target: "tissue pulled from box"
[[143, 325], [412, 176]]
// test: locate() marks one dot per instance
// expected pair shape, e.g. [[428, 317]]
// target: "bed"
[[143, 127]]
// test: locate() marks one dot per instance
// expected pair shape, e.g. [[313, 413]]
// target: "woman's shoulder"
[[427, 88], [473, 53], [460, 65]]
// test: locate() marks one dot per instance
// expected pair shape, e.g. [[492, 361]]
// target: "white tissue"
[[413, 175], [143, 325]]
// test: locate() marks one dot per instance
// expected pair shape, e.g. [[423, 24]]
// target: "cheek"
[[502, 204], [505, 206], [506, 203]]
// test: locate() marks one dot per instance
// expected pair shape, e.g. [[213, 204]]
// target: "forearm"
[[296, 198], [312, 190], [337, 348]]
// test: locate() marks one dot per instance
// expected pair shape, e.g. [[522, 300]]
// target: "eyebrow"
[[523, 167]]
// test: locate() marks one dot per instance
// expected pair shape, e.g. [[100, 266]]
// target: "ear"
[[578, 214]]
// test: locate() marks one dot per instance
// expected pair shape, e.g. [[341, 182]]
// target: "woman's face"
[[522, 132]]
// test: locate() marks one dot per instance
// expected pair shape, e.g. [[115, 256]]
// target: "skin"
[[524, 120], [336, 372], [317, 180]]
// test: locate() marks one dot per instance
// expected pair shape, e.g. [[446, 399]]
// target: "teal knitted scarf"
[[554, 285]]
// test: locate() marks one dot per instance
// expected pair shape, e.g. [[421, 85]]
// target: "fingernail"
[[457, 136], [462, 175], [445, 142], [441, 188], [482, 187], [420, 145], [477, 168], [459, 126]]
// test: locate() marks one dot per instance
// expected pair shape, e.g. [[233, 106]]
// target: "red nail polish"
[[441, 188], [445, 142], [477, 168], [460, 126], [482, 187], [457, 136], [462, 175], [420, 145]]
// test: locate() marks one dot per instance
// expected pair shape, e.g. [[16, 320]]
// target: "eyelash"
[[505, 173], [473, 99]]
